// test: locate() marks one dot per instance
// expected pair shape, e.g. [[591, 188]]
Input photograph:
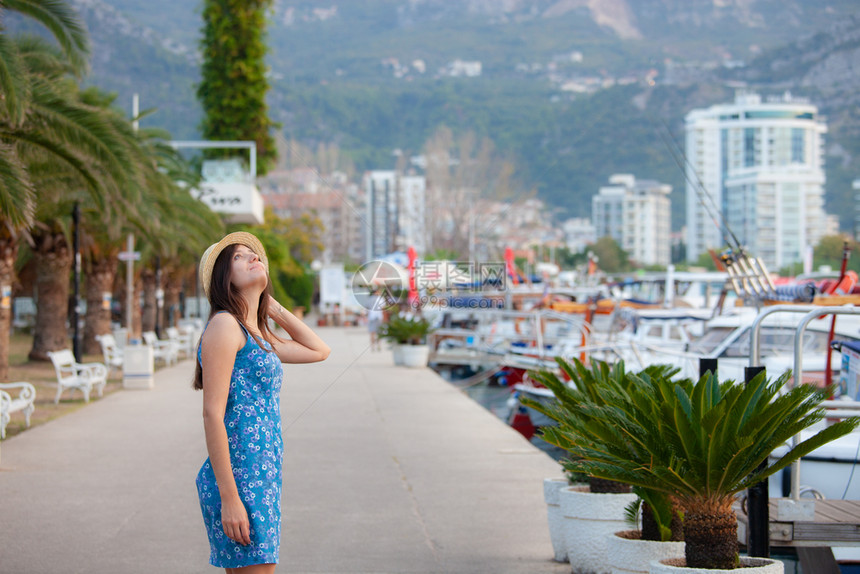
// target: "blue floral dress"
[[253, 423]]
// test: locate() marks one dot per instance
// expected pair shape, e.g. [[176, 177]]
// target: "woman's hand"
[[234, 519]]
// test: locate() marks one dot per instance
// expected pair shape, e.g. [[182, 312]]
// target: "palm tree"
[[698, 442], [17, 194], [99, 268], [170, 222], [113, 180], [184, 239]]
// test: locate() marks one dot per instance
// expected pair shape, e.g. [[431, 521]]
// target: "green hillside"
[[329, 83]]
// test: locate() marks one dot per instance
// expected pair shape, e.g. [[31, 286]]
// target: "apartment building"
[[637, 215], [333, 199], [756, 168], [395, 212], [579, 232]]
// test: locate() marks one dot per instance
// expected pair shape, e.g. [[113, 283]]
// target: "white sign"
[[129, 256], [224, 171], [228, 188], [241, 201], [332, 284]]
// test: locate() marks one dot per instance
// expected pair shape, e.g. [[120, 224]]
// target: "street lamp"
[[76, 310]]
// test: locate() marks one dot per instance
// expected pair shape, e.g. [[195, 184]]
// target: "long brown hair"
[[224, 296]]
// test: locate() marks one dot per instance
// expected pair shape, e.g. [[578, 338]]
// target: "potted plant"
[[408, 336], [661, 536], [591, 513], [699, 442], [555, 517], [594, 511]]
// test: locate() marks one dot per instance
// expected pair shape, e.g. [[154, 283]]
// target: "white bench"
[[111, 351], [23, 402], [74, 375], [184, 341], [164, 350]]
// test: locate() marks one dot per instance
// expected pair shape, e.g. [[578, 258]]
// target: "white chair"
[[183, 341], [23, 402], [166, 351], [74, 375], [120, 335], [111, 351]]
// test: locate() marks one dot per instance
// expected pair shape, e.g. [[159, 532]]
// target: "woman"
[[239, 370]]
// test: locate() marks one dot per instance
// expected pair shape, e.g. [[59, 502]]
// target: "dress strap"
[[247, 334]]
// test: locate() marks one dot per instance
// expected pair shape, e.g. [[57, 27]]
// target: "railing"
[[841, 408], [486, 339]]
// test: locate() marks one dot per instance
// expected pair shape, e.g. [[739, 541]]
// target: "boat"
[[726, 339]]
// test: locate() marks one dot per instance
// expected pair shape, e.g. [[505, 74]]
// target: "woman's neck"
[[252, 303]]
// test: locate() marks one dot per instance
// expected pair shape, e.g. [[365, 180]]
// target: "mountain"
[[319, 37], [570, 90]]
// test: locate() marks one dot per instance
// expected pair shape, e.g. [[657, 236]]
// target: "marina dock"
[[386, 469]]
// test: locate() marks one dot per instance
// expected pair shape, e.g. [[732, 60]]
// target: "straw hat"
[[207, 261]]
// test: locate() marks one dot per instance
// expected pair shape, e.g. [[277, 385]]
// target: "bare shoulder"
[[223, 334]]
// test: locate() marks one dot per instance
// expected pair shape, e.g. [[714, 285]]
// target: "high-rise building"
[[412, 220], [637, 215], [756, 168], [394, 212], [380, 193]]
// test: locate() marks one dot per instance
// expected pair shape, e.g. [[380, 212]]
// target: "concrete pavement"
[[386, 469]]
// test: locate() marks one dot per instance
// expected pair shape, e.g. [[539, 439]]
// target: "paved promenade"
[[386, 469]]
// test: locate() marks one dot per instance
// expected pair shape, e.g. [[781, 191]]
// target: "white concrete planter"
[[397, 353], [138, 368], [634, 556], [414, 355], [590, 519], [551, 488], [748, 566]]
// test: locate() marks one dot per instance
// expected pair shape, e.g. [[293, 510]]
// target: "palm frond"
[[823, 437], [13, 81], [63, 23], [631, 512], [693, 440], [42, 59], [17, 197]]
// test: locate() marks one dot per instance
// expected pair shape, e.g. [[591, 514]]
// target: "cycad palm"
[[595, 386], [699, 442]]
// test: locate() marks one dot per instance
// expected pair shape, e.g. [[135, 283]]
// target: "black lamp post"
[[76, 337]]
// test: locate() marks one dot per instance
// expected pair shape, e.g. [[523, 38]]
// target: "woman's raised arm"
[[305, 346]]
